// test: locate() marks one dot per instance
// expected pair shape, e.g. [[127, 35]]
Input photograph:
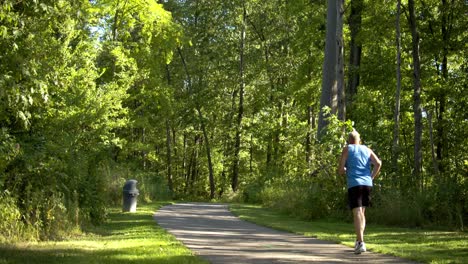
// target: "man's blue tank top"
[[358, 166]]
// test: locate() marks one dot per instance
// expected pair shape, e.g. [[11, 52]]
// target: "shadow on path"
[[214, 233]]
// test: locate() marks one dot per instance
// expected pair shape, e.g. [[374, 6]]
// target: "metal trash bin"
[[130, 194]]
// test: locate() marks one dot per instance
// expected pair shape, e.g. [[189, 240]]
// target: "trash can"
[[130, 194]]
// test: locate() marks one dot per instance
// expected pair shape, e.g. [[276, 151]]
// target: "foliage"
[[317, 191], [93, 93]]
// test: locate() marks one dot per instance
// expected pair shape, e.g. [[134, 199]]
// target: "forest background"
[[222, 100]]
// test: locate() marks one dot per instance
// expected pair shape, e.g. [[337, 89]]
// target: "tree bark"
[[431, 137], [308, 139], [354, 22], [308, 135], [447, 14], [416, 95], [169, 156], [194, 164], [168, 141], [396, 115], [251, 155], [329, 78], [184, 163], [340, 63], [208, 154]]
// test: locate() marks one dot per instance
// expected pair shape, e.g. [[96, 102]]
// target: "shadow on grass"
[[124, 238], [52, 256]]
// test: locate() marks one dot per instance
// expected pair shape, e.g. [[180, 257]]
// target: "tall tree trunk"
[[271, 134], [270, 137], [340, 63], [396, 115], [168, 140], [447, 15], [277, 135], [194, 164], [235, 171], [143, 153], [330, 66], [169, 156], [416, 95], [431, 137], [115, 24], [354, 22], [251, 155], [175, 154], [308, 135], [185, 169], [208, 153]]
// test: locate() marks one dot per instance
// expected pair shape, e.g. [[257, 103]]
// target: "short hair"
[[354, 136]]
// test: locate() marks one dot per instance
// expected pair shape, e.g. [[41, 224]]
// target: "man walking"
[[355, 162]]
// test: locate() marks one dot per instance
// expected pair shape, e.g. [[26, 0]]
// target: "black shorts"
[[359, 196]]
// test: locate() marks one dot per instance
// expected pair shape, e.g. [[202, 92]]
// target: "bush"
[[433, 207], [391, 207], [11, 226]]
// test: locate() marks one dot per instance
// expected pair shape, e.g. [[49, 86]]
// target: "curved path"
[[215, 234]]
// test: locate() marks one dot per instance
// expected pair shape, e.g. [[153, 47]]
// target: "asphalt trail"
[[214, 233]]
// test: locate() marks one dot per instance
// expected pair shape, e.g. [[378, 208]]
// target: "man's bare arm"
[[377, 164], [344, 157]]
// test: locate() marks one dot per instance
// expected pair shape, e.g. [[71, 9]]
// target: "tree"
[[396, 115], [355, 46], [331, 66], [240, 114], [417, 110]]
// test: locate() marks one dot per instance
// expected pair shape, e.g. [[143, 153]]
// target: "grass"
[[125, 238], [428, 246]]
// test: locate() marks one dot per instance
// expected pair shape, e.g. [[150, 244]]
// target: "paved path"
[[215, 234]]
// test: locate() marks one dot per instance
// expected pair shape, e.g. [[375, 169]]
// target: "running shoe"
[[360, 247]]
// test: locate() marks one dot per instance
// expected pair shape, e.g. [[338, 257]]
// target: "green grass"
[[428, 246], [125, 238]]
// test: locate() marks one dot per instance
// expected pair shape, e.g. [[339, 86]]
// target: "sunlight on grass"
[[125, 238], [429, 246]]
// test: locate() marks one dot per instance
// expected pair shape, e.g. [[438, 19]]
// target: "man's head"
[[354, 137]]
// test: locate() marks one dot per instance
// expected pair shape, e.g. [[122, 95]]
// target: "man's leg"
[[359, 222]]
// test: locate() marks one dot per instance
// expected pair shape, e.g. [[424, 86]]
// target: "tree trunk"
[[185, 169], [354, 22], [194, 164], [169, 156], [114, 25], [175, 154], [143, 153], [396, 115], [431, 137], [447, 14], [251, 155], [277, 135], [308, 135], [416, 95], [208, 154], [235, 171], [340, 63], [330, 66], [168, 141]]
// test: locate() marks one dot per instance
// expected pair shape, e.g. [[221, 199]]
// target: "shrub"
[[11, 225]]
